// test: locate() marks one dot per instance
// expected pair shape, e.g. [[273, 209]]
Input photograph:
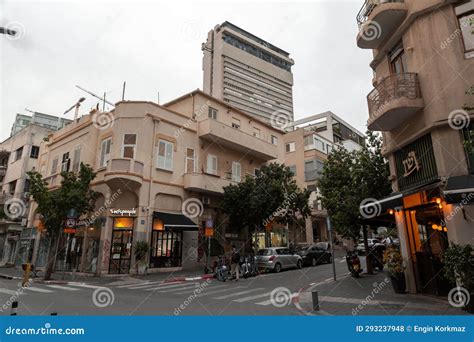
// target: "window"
[[236, 172], [329, 149], [465, 14], [34, 152], [319, 145], [256, 132], [235, 123], [274, 140], [54, 165], [211, 164], [165, 155], [104, 152], [398, 60], [129, 144], [290, 147], [212, 113], [12, 187], [66, 162], [77, 159], [312, 169], [26, 185], [18, 153], [190, 162], [292, 169]]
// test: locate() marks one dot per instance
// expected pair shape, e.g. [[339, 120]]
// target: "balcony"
[[124, 172], [235, 139], [378, 20], [205, 183], [394, 100]]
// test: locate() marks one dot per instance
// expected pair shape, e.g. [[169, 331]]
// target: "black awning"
[[380, 206], [459, 189], [175, 221]]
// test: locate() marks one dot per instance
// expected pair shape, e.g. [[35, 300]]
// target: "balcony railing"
[[368, 8], [393, 87]]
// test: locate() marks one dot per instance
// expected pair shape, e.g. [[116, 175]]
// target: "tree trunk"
[[368, 257], [53, 248]]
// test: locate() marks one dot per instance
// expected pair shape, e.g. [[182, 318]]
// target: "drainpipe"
[[149, 220]]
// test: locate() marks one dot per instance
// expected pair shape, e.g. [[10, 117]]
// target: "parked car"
[[372, 242], [316, 254], [278, 258]]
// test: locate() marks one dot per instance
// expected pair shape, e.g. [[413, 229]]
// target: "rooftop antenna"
[[158, 98], [76, 105], [97, 96]]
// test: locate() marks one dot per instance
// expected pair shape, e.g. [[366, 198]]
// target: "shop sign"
[[69, 230], [209, 232], [123, 212], [411, 164]]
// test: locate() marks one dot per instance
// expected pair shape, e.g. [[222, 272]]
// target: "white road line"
[[245, 299], [205, 290], [63, 287], [87, 286], [143, 285], [213, 292], [8, 292], [238, 293], [37, 289], [164, 287], [166, 290], [268, 302]]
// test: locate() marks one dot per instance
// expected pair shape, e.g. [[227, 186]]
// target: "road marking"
[[245, 299], [37, 289], [87, 286], [63, 287], [9, 292], [268, 302], [164, 287], [239, 293], [173, 288], [212, 292], [142, 286]]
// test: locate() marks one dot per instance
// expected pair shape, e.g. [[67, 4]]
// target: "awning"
[[175, 221], [393, 201], [459, 189]]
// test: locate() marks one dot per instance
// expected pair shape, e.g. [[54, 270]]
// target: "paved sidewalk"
[[369, 295]]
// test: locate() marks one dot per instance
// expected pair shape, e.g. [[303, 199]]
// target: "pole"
[[123, 91], [331, 244], [103, 104], [208, 253]]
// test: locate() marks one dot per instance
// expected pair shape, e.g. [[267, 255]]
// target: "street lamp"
[[76, 105]]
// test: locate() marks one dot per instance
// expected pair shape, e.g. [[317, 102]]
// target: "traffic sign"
[[71, 223]]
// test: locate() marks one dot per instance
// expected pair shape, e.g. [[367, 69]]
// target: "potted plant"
[[458, 261], [394, 261], [141, 249]]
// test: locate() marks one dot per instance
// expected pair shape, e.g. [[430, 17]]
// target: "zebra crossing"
[[46, 288], [217, 291]]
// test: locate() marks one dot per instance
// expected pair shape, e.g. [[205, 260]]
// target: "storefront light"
[[445, 229], [434, 226], [440, 206], [438, 200], [390, 211], [158, 225]]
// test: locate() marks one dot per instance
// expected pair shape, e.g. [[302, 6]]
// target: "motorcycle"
[[248, 267], [353, 264], [222, 270], [376, 257]]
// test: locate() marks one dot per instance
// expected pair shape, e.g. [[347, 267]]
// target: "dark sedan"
[[316, 254]]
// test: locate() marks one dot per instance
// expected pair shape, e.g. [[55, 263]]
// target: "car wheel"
[[314, 262], [277, 267], [299, 264]]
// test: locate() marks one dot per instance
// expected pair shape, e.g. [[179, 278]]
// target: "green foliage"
[[458, 263], [271, 195], [350, 177], [394, 261], [141, 249]]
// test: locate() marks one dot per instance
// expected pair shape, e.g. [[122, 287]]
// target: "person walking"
[[235, 263]]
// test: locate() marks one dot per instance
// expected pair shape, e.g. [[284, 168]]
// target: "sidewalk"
[[60, 277], [369, 295]]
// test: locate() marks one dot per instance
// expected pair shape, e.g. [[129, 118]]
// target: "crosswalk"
[[229, 292], [46, 288]]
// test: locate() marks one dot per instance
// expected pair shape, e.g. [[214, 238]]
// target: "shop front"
[[167, 239], [122, 238], [273, 235]]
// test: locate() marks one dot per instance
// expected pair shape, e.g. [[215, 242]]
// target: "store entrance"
[[166, 248], [428, 239], [121, 250]]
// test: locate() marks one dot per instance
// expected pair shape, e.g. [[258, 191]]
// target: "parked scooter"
[[353, 264], [248, 267], [222, 269], [376, 257]]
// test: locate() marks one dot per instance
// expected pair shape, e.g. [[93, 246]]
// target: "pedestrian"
[[235, 263]]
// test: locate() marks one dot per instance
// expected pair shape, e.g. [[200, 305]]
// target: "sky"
[[155, 47]]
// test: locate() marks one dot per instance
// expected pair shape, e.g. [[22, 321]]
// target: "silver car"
[[278, 258]]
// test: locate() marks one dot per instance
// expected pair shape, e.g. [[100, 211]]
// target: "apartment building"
[[423, 68], [160, 170], [18, 155], [248, 73], [40, 119], [307, 145]]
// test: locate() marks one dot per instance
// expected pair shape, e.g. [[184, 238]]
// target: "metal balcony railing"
[[368, 8], [396, 86]]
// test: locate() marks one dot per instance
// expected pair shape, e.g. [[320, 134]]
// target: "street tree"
[[271, 196], [54, 205]]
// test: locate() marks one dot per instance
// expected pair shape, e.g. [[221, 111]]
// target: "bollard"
[[315, 300], [14, 309], [54, 314]]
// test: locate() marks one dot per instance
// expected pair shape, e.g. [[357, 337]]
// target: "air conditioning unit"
[[206, 200]]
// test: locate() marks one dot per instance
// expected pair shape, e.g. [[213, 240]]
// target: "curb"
[[6, 276], [183, 279]]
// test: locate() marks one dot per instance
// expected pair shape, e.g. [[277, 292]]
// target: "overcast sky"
[[156, 47]]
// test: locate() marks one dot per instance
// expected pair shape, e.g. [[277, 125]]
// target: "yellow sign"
[[209, 232]]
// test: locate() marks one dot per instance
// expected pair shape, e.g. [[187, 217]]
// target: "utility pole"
[[331, 244]]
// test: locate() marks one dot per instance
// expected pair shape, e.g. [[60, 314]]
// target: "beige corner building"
[[423, 66]]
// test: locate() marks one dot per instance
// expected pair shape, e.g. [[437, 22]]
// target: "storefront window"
[[121, 250], [166, 248]]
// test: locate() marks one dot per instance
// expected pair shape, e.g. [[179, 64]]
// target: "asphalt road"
[[267, 294]]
